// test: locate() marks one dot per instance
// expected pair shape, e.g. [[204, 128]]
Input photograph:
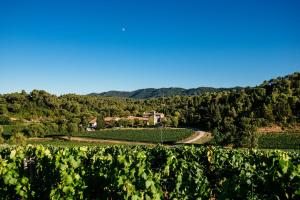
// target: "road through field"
[[83, 139], [194, 138], [197, 136]]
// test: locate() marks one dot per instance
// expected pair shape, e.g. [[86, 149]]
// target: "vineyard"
[[142, 135], [138, 172], [279, 141], [66, 143]]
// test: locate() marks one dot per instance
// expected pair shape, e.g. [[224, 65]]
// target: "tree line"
[[231, 115]]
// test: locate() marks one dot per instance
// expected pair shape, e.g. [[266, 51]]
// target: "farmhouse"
[[137, 118], [92, 125], [157, 118], [133, 118]]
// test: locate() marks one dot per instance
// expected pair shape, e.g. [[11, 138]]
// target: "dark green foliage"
[[1, 131], [232, 114], [35, 130], [161, 92], [72, 127], [3, 109], [141, 135], [122, 123], [247, 133], [4, 120], [100, 122], [117, 172], [279, 141], [17, 138]]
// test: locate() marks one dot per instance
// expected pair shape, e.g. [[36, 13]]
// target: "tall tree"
[[175, 121], [100, 122], [1, 138]]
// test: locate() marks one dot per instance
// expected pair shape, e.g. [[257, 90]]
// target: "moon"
[[123, 29]]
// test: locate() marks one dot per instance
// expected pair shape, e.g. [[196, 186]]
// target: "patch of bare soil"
[[278, 129], [270, 129]]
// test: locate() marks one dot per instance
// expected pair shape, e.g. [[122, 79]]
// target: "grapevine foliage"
[[118, 172]]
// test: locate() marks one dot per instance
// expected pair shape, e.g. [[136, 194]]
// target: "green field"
[[150, 135], [279, 141], [72, 143], [63, 143]]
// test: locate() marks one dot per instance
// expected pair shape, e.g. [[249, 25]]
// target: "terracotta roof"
[[108, 119], [144, 118], [93, 121], [138, 118]]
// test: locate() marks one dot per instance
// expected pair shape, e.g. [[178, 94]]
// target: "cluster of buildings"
[[147, 116]]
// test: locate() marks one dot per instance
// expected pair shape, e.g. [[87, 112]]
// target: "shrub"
[[17, 138]]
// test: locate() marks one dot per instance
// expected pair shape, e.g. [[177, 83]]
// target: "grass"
[[63, 143], [9, 128], [279, 141], [151, 135], [270, 141]]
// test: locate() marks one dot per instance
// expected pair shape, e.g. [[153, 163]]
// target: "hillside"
[[148, 93], [231, 115]]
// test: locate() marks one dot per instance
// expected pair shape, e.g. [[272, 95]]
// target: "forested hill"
[[231, 115], [160, 92]]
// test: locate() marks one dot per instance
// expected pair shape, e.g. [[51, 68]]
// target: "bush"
[[3, 109], [100, 122], [63, 128], [35, 130], [1, 138], [4, 120], [17, 138], [14, 108], [72, 127]]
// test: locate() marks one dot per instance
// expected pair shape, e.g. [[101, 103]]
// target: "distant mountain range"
[[155, 93]]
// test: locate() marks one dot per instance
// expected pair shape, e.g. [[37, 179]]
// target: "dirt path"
[[84, 139], [198, 135]]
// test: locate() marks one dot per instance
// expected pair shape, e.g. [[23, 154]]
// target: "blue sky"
[[95, 46]]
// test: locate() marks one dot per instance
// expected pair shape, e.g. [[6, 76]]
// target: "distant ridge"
[[155, 93]]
